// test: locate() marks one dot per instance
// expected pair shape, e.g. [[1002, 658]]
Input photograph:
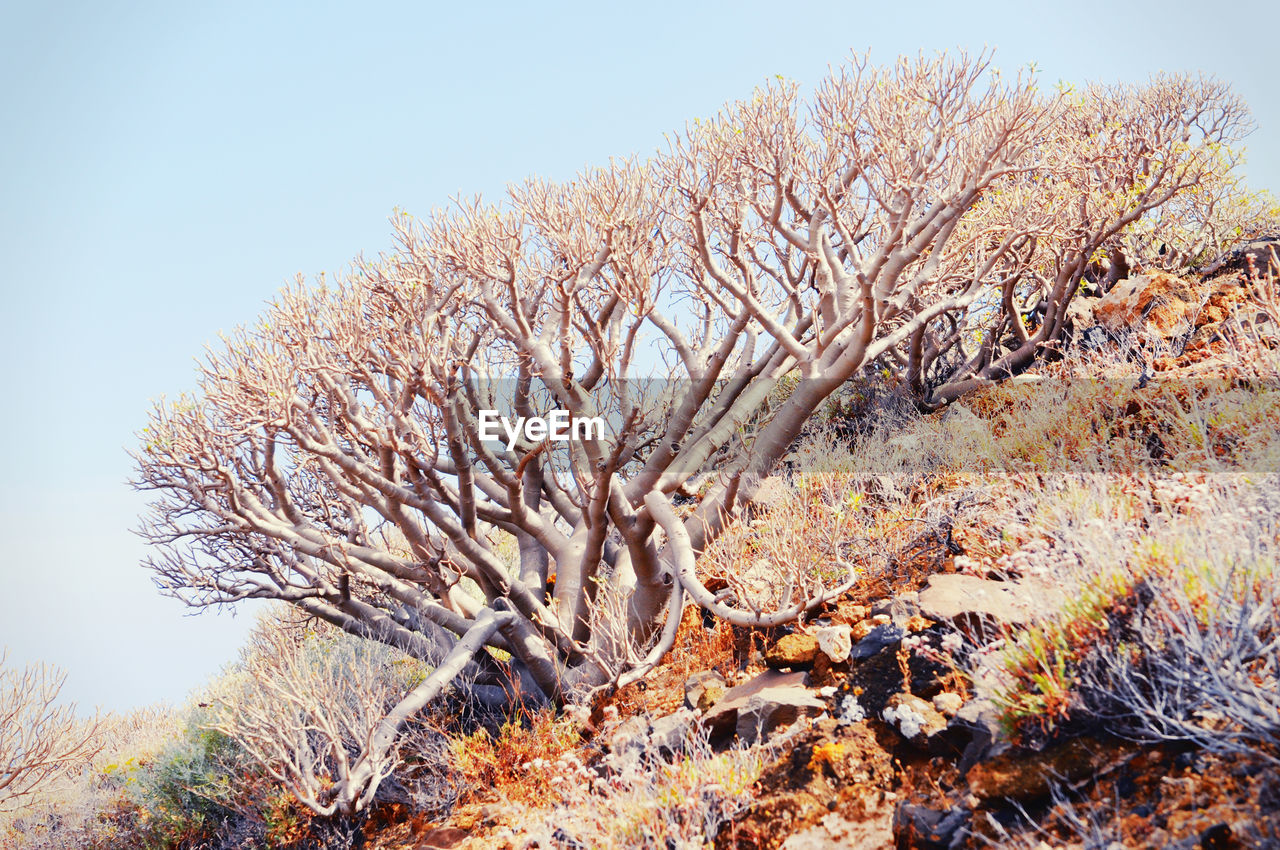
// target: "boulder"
[[1095, 338], [884, 487], [964, 599], [849, 612], [1257, 257], [793, 650], [773, 708], [1156, 301], [628, 742], [1225, 298], [772, 686], [866, 832], [1079, 313], [1241, 325], [928, 829], [877, 639], [670, 734], [978, 723], [900, 608]]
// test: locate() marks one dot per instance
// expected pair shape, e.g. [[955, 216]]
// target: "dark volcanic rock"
[[879, 639], [928, 829]]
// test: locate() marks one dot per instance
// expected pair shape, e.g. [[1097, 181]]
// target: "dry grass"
[[648, 796], [75, 812], [515, 764], [1168, 576]]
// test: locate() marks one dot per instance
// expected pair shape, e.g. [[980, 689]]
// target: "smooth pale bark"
[[333, 459]]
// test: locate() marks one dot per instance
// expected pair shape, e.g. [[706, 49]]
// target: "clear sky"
[[165, 167]]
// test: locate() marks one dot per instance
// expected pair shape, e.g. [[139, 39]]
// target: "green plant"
[[1159, 630]]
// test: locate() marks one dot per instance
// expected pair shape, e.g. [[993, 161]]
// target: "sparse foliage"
[[1169, 634], [931, 218], [312, 709], [41, 742]]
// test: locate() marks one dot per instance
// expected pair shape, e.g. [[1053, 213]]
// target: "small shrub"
[[42, 742], [307, 706], [185, 795], [1178, 642]]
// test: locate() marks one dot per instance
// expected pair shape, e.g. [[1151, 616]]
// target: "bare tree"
[[1112, 158], [323, 715], [41, 742], [334, 456]]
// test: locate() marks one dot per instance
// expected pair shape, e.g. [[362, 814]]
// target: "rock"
[[793, 650], [1226, 296], [900, 608], [965, 599], [441, 837], [638, 736], [1027, 776], [1156, 300], [836, 830], [824, 789], [876, 640], [826, 672], [834, 641], [631, 737], [874, 679], [773, 708], [978, 721], [703, 690], [863, 627], [1095, 338], [1254, 257], [916, 623], [671, 733], [947, 703], [1079, 313], [884, 487], [928, 829], [722, 718], [850, 613], [1243, 324], [913, 717]]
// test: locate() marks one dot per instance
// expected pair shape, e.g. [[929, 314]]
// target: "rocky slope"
[[899, 716]]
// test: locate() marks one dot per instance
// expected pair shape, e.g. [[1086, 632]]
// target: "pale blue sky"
[[167, 166]]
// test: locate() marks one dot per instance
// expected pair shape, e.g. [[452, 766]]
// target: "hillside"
[[1061, 634]]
